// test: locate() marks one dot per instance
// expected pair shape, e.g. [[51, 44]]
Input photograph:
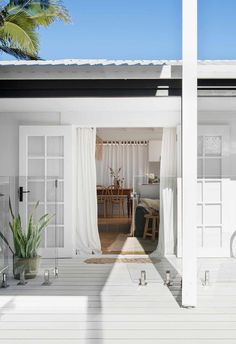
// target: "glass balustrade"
[[32, 228]]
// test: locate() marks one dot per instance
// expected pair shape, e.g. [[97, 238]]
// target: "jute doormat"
[[122, 260]]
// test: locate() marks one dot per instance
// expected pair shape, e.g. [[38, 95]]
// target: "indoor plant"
[[26, 243]]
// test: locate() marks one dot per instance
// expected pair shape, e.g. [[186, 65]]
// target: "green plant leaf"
[[2, 236]]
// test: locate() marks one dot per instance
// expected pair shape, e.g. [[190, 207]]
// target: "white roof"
[[82, 62], [112, 69]]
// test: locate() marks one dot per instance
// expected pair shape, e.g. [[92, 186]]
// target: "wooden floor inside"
[[104, 304], [116, 239]]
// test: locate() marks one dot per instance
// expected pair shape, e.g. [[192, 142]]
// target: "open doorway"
[[128, 189]]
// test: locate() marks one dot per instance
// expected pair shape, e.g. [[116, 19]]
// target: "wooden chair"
[[116, 198], [151, 219], [102, 198]]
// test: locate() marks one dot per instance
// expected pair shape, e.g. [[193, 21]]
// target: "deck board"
[[103, 304]]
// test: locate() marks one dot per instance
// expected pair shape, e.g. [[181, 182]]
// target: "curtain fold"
[[131, 157], [87, 236], [168, 199]]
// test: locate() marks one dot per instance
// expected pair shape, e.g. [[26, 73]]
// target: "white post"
[[189, 151]]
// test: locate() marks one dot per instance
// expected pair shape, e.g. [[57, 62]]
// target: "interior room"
[[128, 189]]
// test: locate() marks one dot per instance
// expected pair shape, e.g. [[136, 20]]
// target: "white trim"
[[189, 152]]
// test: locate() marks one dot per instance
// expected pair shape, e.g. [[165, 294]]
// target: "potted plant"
[[26, 243]]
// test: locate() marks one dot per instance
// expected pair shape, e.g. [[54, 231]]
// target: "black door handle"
[[21, 193]]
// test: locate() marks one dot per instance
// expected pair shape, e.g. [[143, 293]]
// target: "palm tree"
[[19, 20]]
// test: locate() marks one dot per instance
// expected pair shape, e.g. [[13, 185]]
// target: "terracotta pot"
[[29, 265]]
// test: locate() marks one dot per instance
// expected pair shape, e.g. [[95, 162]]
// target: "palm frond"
[[41, 14], [19, 21], [19, 32], [18, 54]]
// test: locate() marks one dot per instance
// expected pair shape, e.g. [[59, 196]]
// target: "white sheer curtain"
[[167, 229], [132, 157], [87, 237]]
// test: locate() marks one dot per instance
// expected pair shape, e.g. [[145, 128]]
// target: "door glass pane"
[[212, 146], [199, 192], [212, 168], [36, 168], [200, 236], [36, 146], [213, 214], [212, 237], [42, 242], [55, 146], [38, 213], [200, 146], [36, 191], [53, 196], [212, 192], [58, 211], [199, 215], [200, 168], [55, 168]]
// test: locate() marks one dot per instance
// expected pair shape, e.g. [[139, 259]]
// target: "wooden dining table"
[[125, 193]]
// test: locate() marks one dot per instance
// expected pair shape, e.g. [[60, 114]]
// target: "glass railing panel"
[[4, 219]]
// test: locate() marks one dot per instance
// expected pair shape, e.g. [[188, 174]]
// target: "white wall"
[[98, 112]]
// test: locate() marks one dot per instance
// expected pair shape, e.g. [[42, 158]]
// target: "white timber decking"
[[104, 304]]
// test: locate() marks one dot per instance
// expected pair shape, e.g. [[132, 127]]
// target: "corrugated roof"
[[104, 62], [112, 69], [82, 62]]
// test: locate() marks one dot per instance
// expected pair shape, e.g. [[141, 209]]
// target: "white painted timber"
[[102, 304], [189, 151], [40, 167]]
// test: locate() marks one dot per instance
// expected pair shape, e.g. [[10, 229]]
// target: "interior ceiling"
[[110, 134]]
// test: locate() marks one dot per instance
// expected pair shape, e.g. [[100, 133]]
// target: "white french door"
[[45, 169], [213, 187]]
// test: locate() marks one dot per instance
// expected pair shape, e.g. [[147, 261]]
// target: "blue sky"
[[138, 29]]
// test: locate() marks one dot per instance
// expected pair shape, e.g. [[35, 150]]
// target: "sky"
[[138, 29]]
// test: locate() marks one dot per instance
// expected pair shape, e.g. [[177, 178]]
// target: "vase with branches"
[[117, 180]]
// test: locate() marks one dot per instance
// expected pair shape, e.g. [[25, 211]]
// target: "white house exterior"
[[58, 96], [52, 98]]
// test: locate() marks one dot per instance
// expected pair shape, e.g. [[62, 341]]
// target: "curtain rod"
[[124, 142]]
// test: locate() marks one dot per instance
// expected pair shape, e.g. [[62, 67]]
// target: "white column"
[[189, 151]]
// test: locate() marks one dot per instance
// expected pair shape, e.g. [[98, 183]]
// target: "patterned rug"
[[113, 243], [122, 260]]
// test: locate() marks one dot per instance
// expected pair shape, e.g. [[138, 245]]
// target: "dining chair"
[[102, 198], [116, 198]]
